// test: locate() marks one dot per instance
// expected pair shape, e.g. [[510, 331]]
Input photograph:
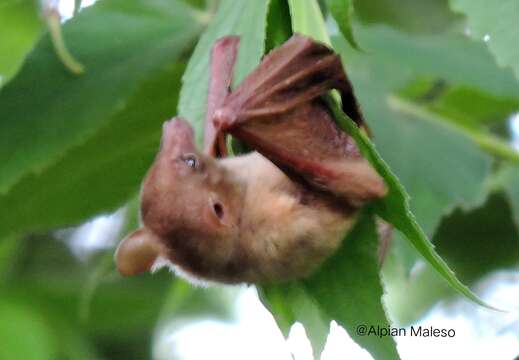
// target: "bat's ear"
[[137, 252]]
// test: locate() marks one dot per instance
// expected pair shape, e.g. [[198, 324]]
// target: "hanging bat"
[[271, 215]]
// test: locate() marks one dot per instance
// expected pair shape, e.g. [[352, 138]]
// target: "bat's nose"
[[178, 126], [177, 135]]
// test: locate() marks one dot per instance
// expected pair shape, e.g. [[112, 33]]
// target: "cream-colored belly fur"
[[285, 238]]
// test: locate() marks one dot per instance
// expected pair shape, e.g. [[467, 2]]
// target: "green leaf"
[[102, 173], [497, 23], [411, 143], [234, 17], [400, 58], [383, 70], [307, 19], [290, 303], [488, 242], [119, 310], [346, 289], [410, 295], [454, 168], [425, 16], [74, 345], [24, 333], [342, 11], [20, 28], [279, 300], [9, 251], [120, 43], [279, 28], [469, 110], [185, 300], [394, 208], [509, 183], [123, 313], [118, 139]]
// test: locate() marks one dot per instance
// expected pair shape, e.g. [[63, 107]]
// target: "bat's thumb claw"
[[223, 118]]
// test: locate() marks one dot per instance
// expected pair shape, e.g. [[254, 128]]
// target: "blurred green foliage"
[[21, 28], [435, 94]]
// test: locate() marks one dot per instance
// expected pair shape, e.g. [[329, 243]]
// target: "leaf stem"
[[488, 142], [54, 25]]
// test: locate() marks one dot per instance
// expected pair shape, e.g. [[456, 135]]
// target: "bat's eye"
[[191, 160]]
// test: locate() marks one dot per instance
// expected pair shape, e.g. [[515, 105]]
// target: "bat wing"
[[292, 74], [277, 111], [223, 58]]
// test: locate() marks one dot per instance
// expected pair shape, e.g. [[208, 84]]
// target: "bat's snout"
[[177, 136]]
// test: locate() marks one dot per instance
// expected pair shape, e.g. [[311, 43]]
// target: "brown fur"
[[270, 228], [271, 215]]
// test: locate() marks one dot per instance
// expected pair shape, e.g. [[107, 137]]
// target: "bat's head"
[[186, 190], [190, 206]]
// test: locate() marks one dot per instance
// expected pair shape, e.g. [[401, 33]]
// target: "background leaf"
[[279, 28], [414, 145], [101, 174], [473, 109], [20, 29], [498, 21], [509, 182], [425, 16], [399, 57], [122, 314], [114, 111], [36, 130], [307, 19], [291, 303], [342, 11], [24, 334], [244, 18], [479, 115], [473, 253], [394, 208]]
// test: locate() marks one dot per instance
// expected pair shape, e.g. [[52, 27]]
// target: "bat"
[[271, 215]]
